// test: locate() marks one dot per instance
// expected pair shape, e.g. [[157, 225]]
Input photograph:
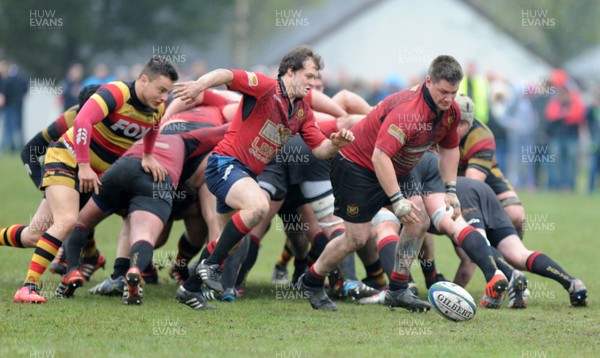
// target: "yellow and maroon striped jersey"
[[55, 130], [126, 119], [477, 149]]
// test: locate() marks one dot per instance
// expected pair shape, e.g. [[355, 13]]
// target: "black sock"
[[476, 247], [233, 232], [318, 245], [193, 283], [542, 265], [74, 244], [428, 268], [503, 266], [387, 251], [185, 252], [312, 279], [348, 267], [141, 255], [232, 264], [249, 261], [121, 266]]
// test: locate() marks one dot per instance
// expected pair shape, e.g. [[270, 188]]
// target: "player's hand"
[[151, 165], [187, 92], [453, 203], [342, 138], [88, 179], [404, 210]]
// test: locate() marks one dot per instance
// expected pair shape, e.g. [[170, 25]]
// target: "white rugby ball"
[[452, 301]]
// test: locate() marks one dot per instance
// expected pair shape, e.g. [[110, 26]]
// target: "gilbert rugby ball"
[[452, 301]]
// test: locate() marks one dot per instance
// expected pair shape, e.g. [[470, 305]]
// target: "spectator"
[[15, 88], [101, 76], [71, 86], [477, 87], [521, 123], [500, 93], [565, 114], [593, 121]]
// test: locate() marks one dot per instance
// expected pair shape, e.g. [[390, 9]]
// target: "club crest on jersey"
[[277, 134], [397, 133], [352, 210], [252, 79], [450, 120], [300, 113]]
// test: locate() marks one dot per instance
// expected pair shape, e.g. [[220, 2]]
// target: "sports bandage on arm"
[[400, 204], [451, 190]]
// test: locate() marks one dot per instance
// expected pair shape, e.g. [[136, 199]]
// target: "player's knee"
[[65, 223], [356, 243], [259, 211]]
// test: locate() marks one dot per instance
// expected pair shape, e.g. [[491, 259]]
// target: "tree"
[[45, 37]]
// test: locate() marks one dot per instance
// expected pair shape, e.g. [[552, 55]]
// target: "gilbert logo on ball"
[[452, 301]]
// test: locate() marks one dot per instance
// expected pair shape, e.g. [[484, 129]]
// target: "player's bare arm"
[[448, 168], [189, 91], [384, 170], [336, 141]]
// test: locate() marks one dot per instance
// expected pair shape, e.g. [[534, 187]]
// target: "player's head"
[[85, 94], [443, 80], [319, 86], [298, 69], [467, 110], [156, 81]]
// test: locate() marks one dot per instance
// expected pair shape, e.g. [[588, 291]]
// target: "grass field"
[[270, 323]]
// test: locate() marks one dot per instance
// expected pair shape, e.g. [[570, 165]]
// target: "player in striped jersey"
[[106, 126]]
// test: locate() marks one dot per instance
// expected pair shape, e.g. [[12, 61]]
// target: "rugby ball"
[[452, 301]]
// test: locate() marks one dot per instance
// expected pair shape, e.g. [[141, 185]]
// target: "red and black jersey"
[[404, 125], [328, 127], [173, 150], [265, 121]]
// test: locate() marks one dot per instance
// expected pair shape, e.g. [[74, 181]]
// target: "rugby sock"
[[318, 245], [11, 236], [44, 253], [185, 252], [74, 244], [475, 245], [234, 231], [232, 264], [428, 268], [398, 281], [122, 264], [90, 249], [503, 266], [348, 267], [249, 261], [141, 254], [375, 273], [387, 249], [300, 266], [544, 266], [313, 279], [286, 254], [193, 283]]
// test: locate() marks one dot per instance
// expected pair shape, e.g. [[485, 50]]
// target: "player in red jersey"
[[271, 113], [374, 171], [109, 123], [125, 186]]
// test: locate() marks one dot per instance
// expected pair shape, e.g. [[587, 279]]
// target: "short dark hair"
[[85, 94], [295, 59], [445, 67], [159, 66]]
